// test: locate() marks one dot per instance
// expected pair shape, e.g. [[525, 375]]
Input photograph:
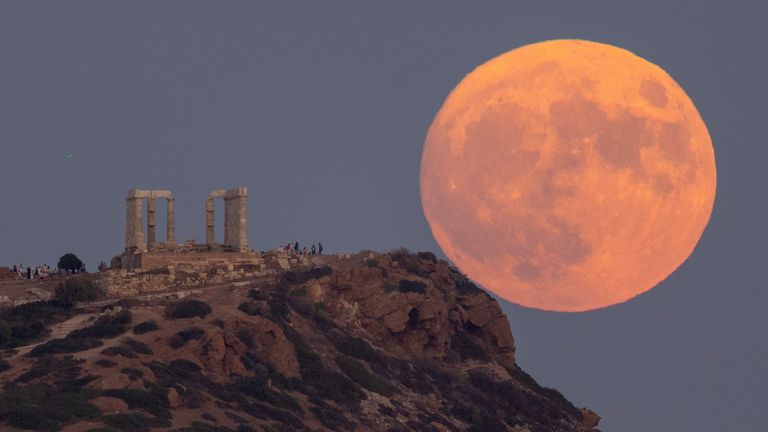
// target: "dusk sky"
[[321, 110]]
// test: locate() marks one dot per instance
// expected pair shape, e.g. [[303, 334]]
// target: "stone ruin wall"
[[182, 271]]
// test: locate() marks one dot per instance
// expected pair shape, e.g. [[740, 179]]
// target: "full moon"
[[568, 175]]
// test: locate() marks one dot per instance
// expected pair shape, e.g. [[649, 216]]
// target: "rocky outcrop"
[[222, 349], [373, 342]]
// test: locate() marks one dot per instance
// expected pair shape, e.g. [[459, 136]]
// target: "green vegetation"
[[181, 338], [145, 327], [187, 309], [106, 326], [464, 286], [39, 407], [65, 345], [70, 262], [299, 292], [406, 286], [427, 256], [136, 346], [105, 363], [354, 346], [28, 321], [134, 422], [468, 349], [296, 277], [250, 308], [257, 388], [77, 289], [5, 332], [132, 373], [359, 374], [153, 401]]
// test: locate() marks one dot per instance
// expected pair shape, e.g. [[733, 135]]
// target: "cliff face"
[[380, 342]]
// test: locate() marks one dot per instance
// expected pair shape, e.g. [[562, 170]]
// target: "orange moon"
[[568, 175]]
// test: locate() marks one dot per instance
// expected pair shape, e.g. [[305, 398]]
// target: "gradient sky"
[[321, 110]]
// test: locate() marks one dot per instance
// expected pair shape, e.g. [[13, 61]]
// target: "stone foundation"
[[171, 271]]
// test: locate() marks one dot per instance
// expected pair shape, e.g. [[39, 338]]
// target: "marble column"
[[210, 237], [151, 222], [134, 232], [170, 235]]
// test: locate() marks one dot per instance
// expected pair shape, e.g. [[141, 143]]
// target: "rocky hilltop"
[[376, 342]]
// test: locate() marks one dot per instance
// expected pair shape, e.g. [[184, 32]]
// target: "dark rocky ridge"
[[380, 342]]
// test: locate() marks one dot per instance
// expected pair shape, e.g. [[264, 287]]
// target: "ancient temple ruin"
[[147, 266], [235, 218], [143, 251], [134, 229]]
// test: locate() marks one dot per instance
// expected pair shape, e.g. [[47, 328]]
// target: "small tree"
[[70, 262], [77, 289]]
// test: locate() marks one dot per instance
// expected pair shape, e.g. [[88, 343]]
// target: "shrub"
[[257, 295], [154, 401], [406, 286], [329, 384], [33, 407], [5, 332], [181, 338], [105, 363], [250, 308], [427, 256], [145, 327], [462, 343], [464, 286], [246, 337], [106, 326], [121, 350], [299, 292], [359, 374], [354, 347], [257, 388], [77, 289], [187, 309], [137, 347], [132, 373], [408, 262], [70, 262], [332, 418], [28, 321], [134, 422], [299, 277], [65, 345]]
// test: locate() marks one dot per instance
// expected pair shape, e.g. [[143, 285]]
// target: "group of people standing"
[[34, 273], [293, 248]]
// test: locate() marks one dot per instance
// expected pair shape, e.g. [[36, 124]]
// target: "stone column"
[[236, 222], [134, 232], [151, 222], [209, 221], [170, 235], [229, 222]]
